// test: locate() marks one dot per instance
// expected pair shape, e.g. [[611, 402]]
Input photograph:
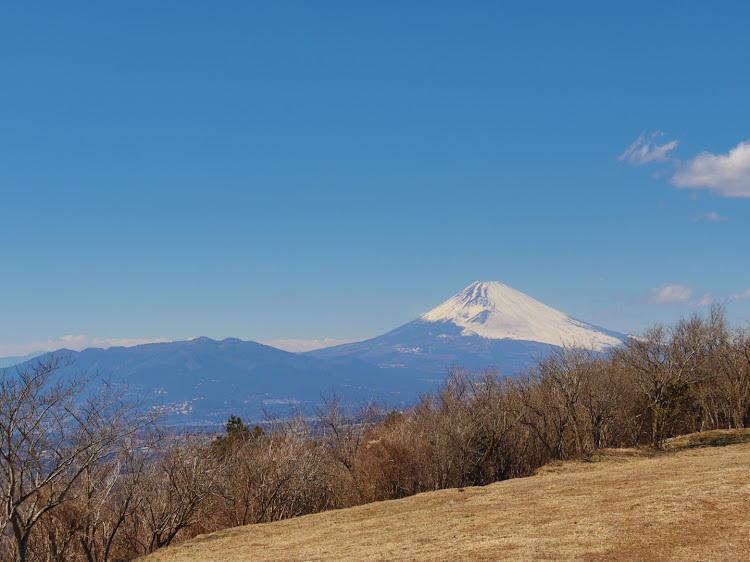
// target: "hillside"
[[692, 504]]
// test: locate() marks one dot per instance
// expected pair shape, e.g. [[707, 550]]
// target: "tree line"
[[88, 476]]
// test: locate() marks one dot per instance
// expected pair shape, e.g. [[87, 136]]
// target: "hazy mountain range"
[[10, 361], [487, 325]]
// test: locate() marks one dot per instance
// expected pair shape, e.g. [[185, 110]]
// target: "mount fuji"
[[487, 325]]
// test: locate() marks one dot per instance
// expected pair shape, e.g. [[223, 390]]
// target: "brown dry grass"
[[692, 504]]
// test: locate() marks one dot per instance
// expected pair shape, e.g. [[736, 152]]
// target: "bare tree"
[[53, 428], [174, 493], [108, 496], [575, 397], [666, 362], [343, 430], [299, 476], [466, 424], [395, 461], [559, 382], [727, 396]]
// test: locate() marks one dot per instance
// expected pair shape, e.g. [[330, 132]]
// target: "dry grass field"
[[692, 503]]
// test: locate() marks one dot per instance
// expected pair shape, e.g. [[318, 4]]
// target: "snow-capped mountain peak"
[[495, 311]]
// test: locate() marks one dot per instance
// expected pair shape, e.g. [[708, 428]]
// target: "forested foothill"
[[89, 476]]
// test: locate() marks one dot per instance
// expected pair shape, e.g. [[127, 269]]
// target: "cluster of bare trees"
[[63, 445], [689, 377], [84, 476]]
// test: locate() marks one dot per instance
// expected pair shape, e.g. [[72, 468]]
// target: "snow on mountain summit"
[[495, 311], [487, 325]]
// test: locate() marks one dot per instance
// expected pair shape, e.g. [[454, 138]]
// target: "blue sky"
[[309, 170]]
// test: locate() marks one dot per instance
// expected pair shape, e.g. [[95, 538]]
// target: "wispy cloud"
[[713, 216], [646, 151], [684, 295], [298, 346], [72, 342], [727, 175], [671, 294], [704, 300], [739, 296]]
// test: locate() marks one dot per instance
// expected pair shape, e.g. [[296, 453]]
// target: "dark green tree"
[[236, 432]]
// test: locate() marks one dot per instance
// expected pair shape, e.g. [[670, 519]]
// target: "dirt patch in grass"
[[692, 504]]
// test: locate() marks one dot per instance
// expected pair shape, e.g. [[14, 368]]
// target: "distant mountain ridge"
[[204, 381], [6, 362], [487, 325]]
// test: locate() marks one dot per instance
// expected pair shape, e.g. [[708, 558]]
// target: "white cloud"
[[713, 216], [73, 342], [727, 175], [683, 295], [680, 295], [645, 151], [669, 294], [705, 300], [298, 346], [739, 296]]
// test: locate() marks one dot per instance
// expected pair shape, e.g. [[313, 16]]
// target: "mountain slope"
[[203, 381], [495, 311], [11, 361], [488, 324]]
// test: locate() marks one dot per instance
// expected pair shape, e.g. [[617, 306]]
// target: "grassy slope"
[[691, 504]]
